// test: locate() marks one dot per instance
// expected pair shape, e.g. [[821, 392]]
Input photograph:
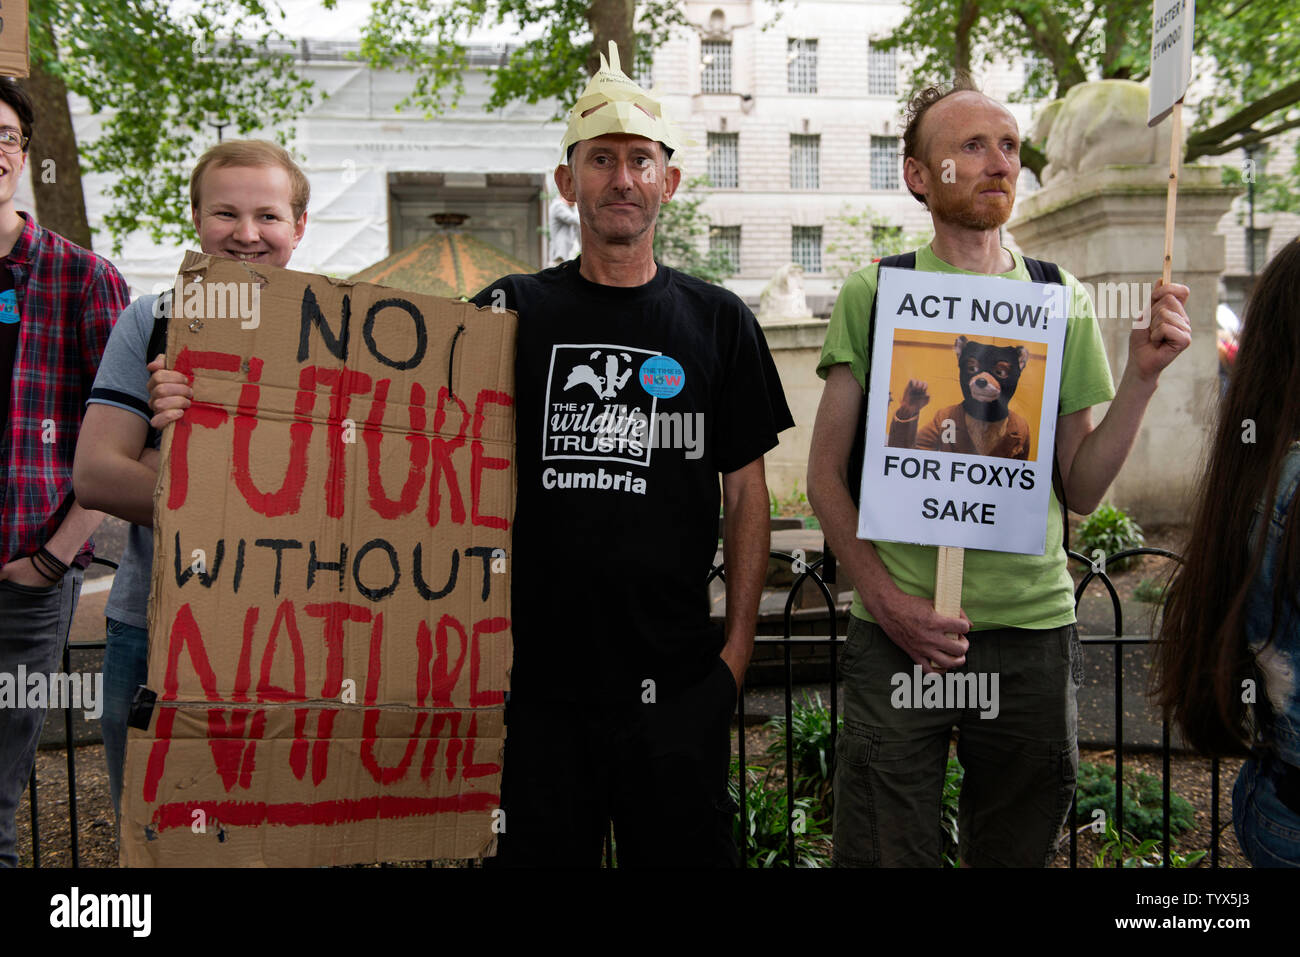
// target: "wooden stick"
[[1171, 201], [947, 583]]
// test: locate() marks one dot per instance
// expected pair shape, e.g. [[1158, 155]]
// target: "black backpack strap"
[[158, 345], [1041, 271]]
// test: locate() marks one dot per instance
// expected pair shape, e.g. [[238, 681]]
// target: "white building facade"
[[796, 112]]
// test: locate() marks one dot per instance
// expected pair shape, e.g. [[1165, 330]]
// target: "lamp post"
[[1251, 150]]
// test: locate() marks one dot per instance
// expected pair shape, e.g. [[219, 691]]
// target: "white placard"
[[1171, 55], [973, 467]]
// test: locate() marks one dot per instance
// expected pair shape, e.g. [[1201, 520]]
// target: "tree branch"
[[968, 16], [1245, 118], [1074, 41], [1032, 158], [1050, 41], [1241, 142]]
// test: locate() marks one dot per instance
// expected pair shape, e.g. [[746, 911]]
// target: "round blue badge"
[[662, 376], [8, 307]]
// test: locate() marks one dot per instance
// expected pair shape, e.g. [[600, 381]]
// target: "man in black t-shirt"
[[636, 385]]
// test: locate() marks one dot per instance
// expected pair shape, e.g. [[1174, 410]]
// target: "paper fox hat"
[[613, 103]]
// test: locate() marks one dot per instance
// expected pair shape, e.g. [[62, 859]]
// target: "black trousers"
[[658, 771]]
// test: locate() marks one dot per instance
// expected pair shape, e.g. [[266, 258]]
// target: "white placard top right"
[[1171, 55]]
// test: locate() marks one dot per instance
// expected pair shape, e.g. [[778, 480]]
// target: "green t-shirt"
[[1000, 589]]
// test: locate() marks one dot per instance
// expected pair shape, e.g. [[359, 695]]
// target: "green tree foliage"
[[559, 51], [681, 235], [158, 73], [1247, 47], [156, 77], [863, 235]]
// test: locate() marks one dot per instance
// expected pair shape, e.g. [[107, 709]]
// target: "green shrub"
[[1135, 853], [810, 742], [1142, 801], [948, 817], [1111, 530], [796, 503], [1150, 592], [763, 821]]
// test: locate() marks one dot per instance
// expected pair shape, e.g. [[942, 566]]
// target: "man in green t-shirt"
[[1015, 636]]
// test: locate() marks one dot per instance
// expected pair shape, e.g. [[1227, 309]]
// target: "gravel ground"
[[96, 845]]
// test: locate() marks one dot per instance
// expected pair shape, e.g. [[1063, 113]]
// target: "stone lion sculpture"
[[1102, 123], [783, 297]]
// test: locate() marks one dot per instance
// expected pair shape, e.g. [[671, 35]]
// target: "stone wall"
[[1107, 226], [795, 348]]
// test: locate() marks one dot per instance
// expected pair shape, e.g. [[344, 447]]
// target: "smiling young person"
[[248, 201], [57, 305], [961, 160]]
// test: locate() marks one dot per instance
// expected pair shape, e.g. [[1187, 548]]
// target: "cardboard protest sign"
[[13, 38], [329, 618], [1171, 55], [961, 418]]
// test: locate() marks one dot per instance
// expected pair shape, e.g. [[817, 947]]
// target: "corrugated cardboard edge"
[[15, 58], [196, 265]]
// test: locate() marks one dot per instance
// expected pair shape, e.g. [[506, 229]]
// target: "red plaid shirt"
[[68, 299]]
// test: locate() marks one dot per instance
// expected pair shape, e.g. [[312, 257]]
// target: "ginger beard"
[[975, 210]]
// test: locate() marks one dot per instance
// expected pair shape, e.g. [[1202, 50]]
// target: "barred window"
[[645, 71], [885, 162], [801, 65], [805, 161], [882, 72], [715, 58], [726, 240], [724, 160], [806, 247]]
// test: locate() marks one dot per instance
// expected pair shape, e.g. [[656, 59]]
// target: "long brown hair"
[[1202, 661]]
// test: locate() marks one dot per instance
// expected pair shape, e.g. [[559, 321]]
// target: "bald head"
[[932, 113]]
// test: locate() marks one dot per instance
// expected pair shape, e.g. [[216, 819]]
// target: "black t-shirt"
[[629, 403], [9, 321]]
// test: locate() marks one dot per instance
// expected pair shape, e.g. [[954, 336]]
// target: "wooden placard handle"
[[947, 583], [1171, 199]]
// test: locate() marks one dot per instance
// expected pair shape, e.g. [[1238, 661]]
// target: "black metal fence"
[[810, 575], [1117, 641]]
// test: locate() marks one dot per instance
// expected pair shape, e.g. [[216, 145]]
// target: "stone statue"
[[783, 298], [1102, 123], [565, 240]]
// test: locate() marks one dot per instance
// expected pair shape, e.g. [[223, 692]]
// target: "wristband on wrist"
[[50, 568]]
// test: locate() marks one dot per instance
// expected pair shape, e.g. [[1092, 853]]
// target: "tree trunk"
[[967, 17], [612, 20], [1032, 158], [52, 159]]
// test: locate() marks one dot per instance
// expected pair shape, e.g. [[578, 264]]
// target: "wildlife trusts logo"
[[591, 413], [606, 386]]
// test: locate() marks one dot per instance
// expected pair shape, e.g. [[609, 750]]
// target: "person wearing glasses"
[[57, 306]]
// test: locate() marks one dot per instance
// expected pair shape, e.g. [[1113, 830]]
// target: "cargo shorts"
[[1014, 705]]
